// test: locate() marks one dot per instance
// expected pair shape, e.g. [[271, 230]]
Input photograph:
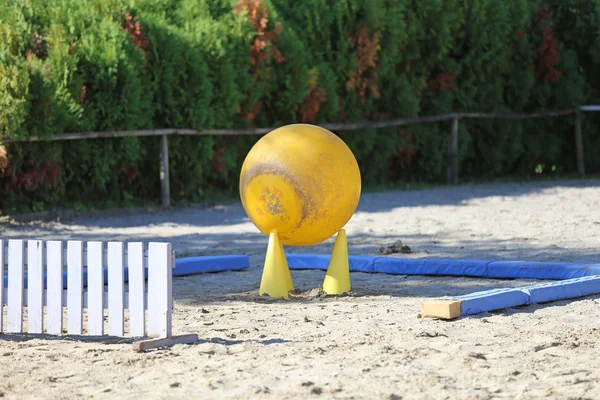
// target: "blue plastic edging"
[[203, 264], [451, 267], [183, 267], [497, 299], [567, 289], [489, 300], [321, 261]]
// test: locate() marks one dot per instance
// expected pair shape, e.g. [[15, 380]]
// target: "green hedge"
[[99, 65]]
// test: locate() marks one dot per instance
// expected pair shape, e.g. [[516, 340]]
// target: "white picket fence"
[[150, 304]]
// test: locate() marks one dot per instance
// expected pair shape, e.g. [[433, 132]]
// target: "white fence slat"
[[135, 265], [116, 303], [54, 285], [1, 285], [15, 286], [95, 288], [160, 264], [74, 287], [35, 286]]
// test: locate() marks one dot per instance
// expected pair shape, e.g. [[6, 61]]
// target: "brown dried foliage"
[[72, 48], [37, 46], [549, 50], [218, 162], [364, 77], [250, 115], [407, 154], [129, 175], [82, 93], [442, 82], [133, 26], [45, 174], [263, 50], [312, 104]]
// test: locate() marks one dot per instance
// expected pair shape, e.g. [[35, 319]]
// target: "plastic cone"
[[288, 275], [337, 280], [276, 278]]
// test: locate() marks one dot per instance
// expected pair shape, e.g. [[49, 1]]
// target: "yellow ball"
[[301, 181]]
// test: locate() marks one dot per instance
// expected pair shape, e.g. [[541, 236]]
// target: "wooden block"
[[443, 309], [144, 345]]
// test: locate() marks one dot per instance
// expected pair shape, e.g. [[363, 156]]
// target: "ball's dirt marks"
[[272, 199], [307, 201]]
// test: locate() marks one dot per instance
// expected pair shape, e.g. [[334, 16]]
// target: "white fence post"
[[35, 286], [116, 289], [95, 292], [74, 287], [159, 289], [137, 290], [54, 292], [15, 286]]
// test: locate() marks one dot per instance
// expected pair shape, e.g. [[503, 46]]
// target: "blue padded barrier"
[[451, 267], [183, 267]]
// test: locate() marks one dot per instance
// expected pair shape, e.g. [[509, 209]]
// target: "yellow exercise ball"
[[301, 181]]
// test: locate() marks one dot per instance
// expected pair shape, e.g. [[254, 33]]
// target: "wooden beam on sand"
[[143, 345]]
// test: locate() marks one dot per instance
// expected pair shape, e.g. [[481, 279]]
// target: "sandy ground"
[[370, 344]]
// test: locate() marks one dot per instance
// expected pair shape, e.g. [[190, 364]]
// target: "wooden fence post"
[[579, 146], [453, 154], [164, 171]]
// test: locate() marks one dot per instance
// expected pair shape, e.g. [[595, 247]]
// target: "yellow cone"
[[276, 278], [337, 280], [288, 276]]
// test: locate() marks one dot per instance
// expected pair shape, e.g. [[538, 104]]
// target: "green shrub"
[[102, 65]]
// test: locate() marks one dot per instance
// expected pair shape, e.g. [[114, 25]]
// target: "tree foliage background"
[[99, 65]]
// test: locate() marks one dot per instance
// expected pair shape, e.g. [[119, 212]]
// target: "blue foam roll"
[[388, 265], [496, 299], [360, 263], [196, 265], [309, 261], [451, 267], [474, 268], [183, 267], [540, 270], [562, 290], [321, 261], [423, 266], [489, 300]]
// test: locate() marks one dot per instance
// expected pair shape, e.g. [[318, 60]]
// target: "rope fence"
[[453, 162]]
